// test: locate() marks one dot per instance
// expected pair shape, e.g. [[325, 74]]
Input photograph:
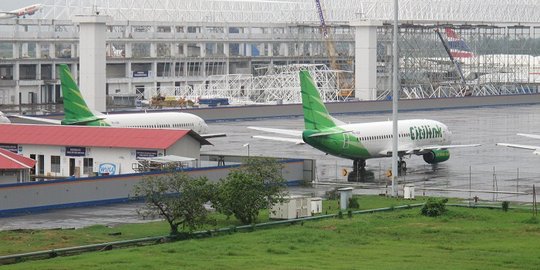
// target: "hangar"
[[81, 151]]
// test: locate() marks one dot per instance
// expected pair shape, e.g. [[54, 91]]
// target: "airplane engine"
[[436, 156]]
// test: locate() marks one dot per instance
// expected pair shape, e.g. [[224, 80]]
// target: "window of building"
[[55, 164]]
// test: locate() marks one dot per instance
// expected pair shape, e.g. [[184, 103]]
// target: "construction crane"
[[345, 90]]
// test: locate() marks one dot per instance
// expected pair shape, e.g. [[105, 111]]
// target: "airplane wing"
[[536, 149], [39, 119], [408, 150], [534, 136], [213, 135], [289, 132], [281, 139]]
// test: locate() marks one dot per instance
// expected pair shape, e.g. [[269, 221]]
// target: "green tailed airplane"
[[77, 112], [428, 138]]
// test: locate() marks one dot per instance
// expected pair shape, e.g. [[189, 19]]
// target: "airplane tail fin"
[[76, 111], [458, 46], [316, 115]]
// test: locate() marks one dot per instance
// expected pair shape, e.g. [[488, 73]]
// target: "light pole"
[[395, 97], [247, 145]]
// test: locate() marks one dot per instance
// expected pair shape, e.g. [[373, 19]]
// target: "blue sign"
[[14, 148], [139, 74], [145, 154], [73, 151], [107, 169]]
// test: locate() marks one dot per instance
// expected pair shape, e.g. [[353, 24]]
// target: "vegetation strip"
[[167, 238]]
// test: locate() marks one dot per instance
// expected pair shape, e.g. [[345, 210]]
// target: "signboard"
[[14, 148], [145, 154], [141, 74], [108, 169], [73, 151]]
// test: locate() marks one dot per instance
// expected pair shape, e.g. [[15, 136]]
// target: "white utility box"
[[408, 191], [295, 206]]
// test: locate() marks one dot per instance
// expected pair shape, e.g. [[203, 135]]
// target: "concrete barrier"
[[45, 195]]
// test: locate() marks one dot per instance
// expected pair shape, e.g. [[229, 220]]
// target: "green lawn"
[[21, 241], [401, 239]]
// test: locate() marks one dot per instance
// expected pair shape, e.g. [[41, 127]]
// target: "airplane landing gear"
[[402, 166], [359, 173]]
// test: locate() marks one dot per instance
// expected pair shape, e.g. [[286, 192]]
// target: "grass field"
[[461, 239], [21, 241]]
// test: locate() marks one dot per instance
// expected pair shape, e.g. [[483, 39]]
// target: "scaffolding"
[[279, 11], [277, 85]]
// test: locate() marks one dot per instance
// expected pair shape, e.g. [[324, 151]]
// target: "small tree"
[[353, 203], [176, 197], [505, 205], [434, 207], [254, 186]]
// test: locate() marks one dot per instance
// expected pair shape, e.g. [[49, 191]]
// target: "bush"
[[332, 194], [505, 206], [434, 207], [353, 203]]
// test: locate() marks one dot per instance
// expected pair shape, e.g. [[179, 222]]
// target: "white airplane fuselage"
[[29, 10], [174, 120], [376, 137]]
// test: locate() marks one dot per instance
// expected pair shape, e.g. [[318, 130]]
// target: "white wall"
[[124, 157], [187, 147]]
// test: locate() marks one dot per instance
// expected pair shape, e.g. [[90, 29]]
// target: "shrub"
[[353, 203], [332, 194], [505, 206], [434, 207]]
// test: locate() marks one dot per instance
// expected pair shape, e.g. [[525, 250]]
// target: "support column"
[[92, 35], [365, 77], [128, 52], [16, 50]]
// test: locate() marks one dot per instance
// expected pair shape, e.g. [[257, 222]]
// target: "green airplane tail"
[[316, 117], [76, 111]]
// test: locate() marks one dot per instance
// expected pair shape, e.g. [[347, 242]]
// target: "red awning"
[[12, 161]]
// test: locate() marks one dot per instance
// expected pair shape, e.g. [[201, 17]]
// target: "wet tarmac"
[[483, 169]]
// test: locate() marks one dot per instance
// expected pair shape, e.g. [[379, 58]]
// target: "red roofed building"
[[14, 167], [63, 151]]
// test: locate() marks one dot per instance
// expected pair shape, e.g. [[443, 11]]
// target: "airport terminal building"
[[193, 46]]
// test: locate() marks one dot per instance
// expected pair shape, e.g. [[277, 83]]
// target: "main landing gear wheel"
[[359, 173], [402, 166]]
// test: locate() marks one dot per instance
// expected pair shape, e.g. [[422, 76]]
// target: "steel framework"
[[279, 11], [279, 84], [505, 43]]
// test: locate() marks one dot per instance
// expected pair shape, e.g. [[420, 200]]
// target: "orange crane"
[[345, 90]]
